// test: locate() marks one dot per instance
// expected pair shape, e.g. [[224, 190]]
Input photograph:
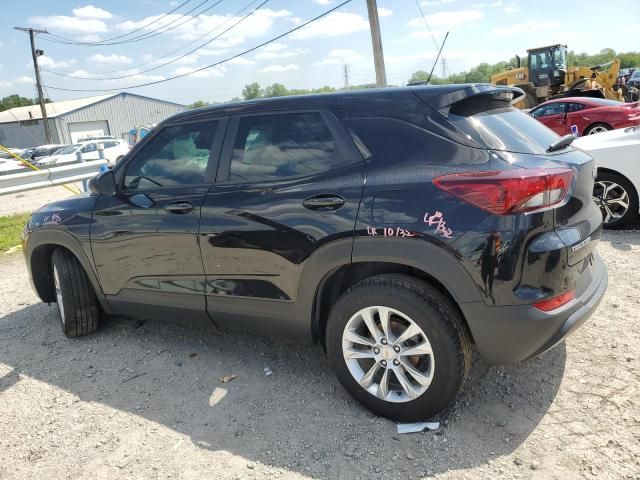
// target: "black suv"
[[398, 228]]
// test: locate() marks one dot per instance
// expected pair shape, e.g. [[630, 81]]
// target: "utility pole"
[[345, 73], [35, 54], [376, 41]]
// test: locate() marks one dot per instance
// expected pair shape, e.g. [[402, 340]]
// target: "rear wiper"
[[561, 143]]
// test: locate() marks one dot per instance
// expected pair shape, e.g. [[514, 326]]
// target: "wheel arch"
[[620, 174], [419, 259], [39, 250]]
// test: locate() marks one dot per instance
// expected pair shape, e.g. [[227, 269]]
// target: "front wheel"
[[397, 346], [617, 199], [77, 302]]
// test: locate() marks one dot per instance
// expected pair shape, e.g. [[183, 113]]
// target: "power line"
[[118, 36], [424, 19], [206, 67], [151, 33], [242, 19], [167, 55]]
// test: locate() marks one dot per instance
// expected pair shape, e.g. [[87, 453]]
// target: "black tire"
[[77, 302], [437, 318], [632, 211], [597, 126]]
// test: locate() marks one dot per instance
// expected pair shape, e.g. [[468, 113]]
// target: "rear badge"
[[580, 245]]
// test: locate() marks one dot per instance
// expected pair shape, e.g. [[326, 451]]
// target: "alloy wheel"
[[612, 199], [388, 354], [598, 129]]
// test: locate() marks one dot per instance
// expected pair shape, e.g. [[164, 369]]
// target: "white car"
[[114, 150], [617, 184]]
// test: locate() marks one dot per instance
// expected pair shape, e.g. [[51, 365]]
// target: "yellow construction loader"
[[546, 76]]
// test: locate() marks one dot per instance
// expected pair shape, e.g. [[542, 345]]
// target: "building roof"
[[55, 109]]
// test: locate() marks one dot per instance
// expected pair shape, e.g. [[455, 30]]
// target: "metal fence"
[[27, 179]]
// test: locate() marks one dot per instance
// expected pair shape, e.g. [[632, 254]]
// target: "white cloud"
[[241, 61], [333, 25], [113, 58], [496, 4], [384, 12], [512, 8], [433, 3], [91, 37], [341, 56], [277, 50], [256, 25], [62, 23], [90, 11], [322, 2], [23, 79], [448, 19], [213, 52], [211, 72], [48, 62], [280, 68], [174, 3], [5, 84], [528, 27]]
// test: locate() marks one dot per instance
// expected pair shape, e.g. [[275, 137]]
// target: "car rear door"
[[145, 236], [289, 183]]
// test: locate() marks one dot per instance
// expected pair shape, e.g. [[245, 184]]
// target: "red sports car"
[[588, 115]]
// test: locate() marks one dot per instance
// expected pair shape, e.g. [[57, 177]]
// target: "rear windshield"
[[506, 129]]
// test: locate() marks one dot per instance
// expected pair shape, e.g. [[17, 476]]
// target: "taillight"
[[509, 191], [555, 302]]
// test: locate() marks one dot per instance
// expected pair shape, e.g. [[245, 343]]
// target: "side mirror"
[[104, 183]]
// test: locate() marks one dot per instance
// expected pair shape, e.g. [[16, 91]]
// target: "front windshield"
[[69, 149], [559, 58]]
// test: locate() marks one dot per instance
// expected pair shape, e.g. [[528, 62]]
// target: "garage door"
[[80, 130]]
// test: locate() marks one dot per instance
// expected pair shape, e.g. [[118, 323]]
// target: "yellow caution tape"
[[30, 165]]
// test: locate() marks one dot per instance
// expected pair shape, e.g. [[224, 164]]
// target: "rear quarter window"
[[403, 142], [505, 129]]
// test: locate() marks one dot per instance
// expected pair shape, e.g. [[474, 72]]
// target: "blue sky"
[[314, 56]]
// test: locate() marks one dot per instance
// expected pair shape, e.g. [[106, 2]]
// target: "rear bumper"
[[511, 334]]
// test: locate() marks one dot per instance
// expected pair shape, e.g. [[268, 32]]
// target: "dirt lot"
[[142, 399]]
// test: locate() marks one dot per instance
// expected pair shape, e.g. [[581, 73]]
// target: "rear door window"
[[273, 147]]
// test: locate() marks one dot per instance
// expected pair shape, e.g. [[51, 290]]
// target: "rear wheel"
[[77, 302], [397, 346], [597, 128], [617, 199]]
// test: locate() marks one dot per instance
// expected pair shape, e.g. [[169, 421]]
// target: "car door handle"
[[179, 207], [323, 201]]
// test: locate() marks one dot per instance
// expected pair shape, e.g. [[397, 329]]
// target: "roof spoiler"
[[469, 94]]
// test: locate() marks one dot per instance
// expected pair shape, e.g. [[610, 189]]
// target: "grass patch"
[[11, 230]]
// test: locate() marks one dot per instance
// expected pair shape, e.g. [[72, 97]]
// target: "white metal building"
[[114, 114]]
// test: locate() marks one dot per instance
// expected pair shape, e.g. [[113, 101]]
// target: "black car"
[[398, 228]]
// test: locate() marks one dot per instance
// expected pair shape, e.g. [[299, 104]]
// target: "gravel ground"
[[142, 399], [33, 199]]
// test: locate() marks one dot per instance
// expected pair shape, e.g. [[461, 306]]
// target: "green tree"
[[252, 91], [12, 101], [199, 104], [276, 90]]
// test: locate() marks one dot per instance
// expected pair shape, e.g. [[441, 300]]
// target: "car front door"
[[144, 237], [289, 183], [575, 117], [553, 116]]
